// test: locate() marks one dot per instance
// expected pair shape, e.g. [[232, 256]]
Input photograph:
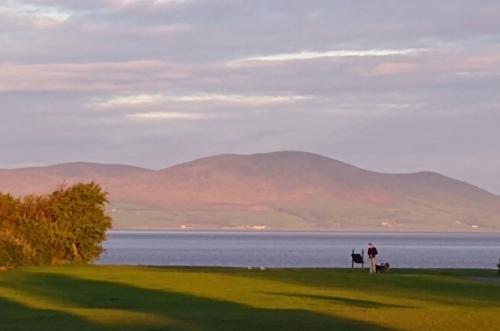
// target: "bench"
[[358, 258]]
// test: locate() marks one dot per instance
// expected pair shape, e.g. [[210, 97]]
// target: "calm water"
[[285, 249]]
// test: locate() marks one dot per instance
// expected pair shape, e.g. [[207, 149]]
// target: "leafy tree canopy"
[[66, 226]]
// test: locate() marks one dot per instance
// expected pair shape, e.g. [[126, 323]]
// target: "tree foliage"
[[66, 226]]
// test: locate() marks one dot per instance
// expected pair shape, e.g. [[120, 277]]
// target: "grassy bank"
[[147, 298]]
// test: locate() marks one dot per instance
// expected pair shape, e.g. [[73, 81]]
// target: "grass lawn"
[[149, 298]]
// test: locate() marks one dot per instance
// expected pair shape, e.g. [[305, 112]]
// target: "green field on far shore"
[[153, 298]]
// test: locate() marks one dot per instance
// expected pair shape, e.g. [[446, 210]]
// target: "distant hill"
[[280, 190]]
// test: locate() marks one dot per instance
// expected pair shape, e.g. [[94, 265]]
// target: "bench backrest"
[[357, 258]]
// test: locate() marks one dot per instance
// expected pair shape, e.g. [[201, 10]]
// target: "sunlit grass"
[[147, 298]]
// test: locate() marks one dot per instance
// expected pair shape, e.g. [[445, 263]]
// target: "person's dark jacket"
[[372, 252]]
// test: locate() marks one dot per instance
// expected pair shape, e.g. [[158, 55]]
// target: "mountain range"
[[272, 191]]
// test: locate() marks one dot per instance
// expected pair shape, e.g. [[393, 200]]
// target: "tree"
[[67, 226], [80, 223], [12, 247]]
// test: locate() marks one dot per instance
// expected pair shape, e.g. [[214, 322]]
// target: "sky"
[[391, 86]]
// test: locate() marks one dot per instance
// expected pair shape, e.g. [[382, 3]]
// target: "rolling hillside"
[[280, 190]]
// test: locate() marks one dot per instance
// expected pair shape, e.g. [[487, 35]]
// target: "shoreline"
[[258, 268], [319, 232]]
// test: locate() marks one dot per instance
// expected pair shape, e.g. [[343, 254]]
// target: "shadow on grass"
[[17, 317], [442, 286], [180, 311], [340, 300]]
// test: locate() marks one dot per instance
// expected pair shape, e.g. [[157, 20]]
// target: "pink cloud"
[[394, 68], [87, 77], [483, 62], [434, 63]]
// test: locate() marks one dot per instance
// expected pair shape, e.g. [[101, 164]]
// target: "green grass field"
[[146, 298]]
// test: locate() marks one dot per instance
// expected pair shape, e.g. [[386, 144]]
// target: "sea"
[[299, 249]]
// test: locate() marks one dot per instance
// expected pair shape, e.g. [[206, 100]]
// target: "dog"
[[384, 267]]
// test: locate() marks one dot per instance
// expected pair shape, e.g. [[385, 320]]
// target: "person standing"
[[372, 255]]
